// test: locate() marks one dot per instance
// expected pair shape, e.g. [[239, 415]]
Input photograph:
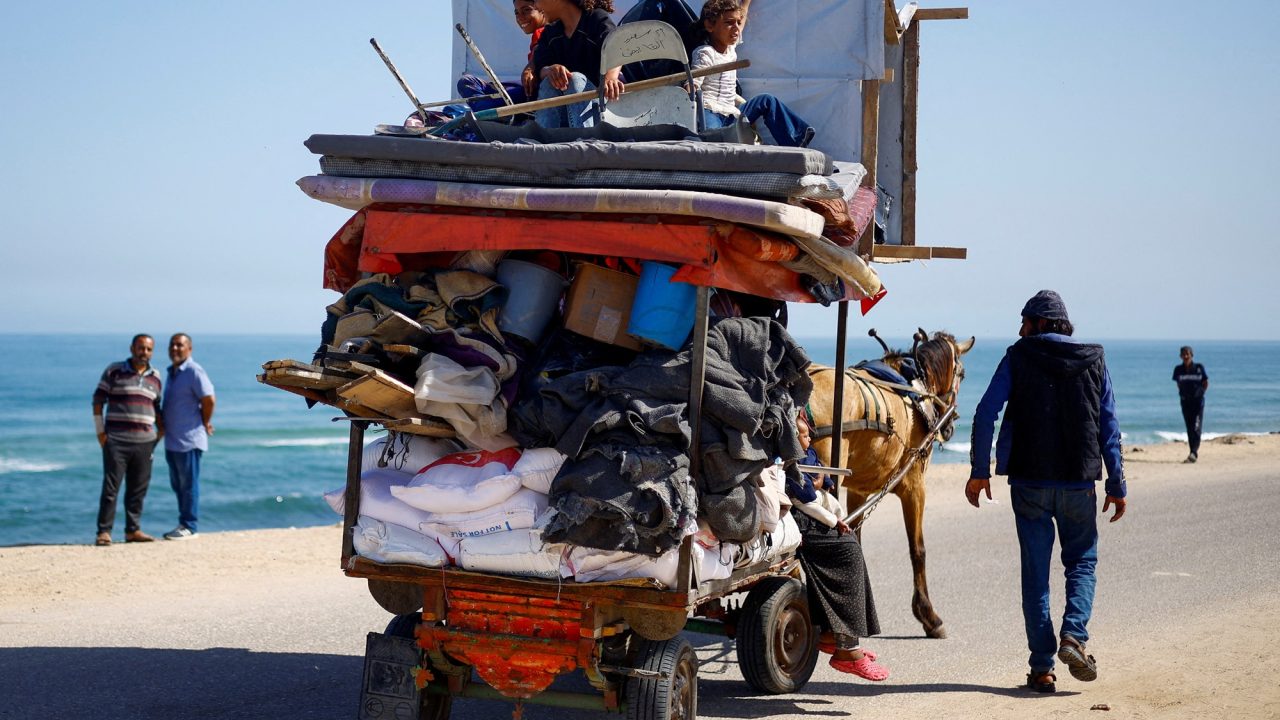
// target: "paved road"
[[1186, 549]]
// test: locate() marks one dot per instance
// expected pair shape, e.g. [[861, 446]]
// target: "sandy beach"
[[1215, 661]]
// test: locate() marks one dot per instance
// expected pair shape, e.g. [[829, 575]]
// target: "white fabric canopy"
[[812, 54]]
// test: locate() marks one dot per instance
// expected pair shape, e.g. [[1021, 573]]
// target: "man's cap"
[[1045, 304]]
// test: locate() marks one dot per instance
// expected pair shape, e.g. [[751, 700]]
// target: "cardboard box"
[[599, 305]]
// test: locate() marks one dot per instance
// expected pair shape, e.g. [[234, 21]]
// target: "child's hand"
[[613, 85], [558, 75], [529, 82]]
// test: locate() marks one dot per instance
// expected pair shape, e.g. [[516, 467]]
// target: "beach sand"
[[195, 594]]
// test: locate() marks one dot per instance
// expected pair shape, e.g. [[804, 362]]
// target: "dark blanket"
[[755, 380]]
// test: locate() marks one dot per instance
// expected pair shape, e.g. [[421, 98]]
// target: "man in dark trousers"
[[1192, 381], [126, 415], [1059, 432]]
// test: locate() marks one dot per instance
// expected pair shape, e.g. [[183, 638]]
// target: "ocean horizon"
[[272, 458]]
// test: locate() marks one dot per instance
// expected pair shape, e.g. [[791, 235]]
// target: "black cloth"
[[1190, 380], [1053, 410], [129, 463], [579, 52], [1045, 304], [835, 573]]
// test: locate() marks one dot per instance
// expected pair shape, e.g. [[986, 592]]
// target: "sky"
[[1122, 153]]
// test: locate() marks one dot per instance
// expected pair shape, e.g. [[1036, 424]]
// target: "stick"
[[418, 106], [493, 77], [508, 111]]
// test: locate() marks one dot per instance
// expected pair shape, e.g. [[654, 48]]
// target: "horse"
[[886, 433]]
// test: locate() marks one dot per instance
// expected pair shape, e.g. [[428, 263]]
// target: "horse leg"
[[912, 496]]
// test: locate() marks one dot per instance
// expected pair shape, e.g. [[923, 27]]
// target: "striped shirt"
[[132, 401]]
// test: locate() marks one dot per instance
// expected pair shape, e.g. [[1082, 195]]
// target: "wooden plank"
[[297, 377], [910, 128], [942, 13], [918, 252], [870, 140], [380, 392], [891, 35], [421, 426]]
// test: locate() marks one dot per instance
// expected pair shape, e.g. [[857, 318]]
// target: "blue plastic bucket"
[[663, 311], [533, 295]]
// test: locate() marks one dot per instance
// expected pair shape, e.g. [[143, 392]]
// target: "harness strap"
[[852, 425]]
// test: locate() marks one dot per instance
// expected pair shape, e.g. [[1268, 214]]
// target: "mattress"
[[557, 159], [355, 193]]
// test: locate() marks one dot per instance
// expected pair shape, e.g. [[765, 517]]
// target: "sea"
[[272, 457]]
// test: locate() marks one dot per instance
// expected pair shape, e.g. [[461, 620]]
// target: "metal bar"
[[822, 470], [697, 378], [837, 403], [418, 106], [493, 76], [351, 498]]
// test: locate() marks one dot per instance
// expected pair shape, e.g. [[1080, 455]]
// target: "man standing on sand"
[[129, 392], [1192, 381], [1059, 431], [188, 421]]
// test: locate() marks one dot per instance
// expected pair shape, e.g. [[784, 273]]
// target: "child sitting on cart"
[[835, 571]]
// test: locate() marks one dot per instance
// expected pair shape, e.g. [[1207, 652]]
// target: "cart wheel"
[[777, 642], [434, 706], [674, 694]]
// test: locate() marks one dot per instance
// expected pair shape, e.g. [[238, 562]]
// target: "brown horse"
[[883, 429]]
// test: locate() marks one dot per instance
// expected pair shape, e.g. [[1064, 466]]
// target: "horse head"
[[939, 368]]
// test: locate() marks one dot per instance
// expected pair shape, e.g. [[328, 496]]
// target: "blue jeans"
[[184, 478], [1035, 511], [566, 115], [786, 127]]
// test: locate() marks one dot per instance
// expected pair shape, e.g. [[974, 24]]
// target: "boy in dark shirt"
[[1192, 382]]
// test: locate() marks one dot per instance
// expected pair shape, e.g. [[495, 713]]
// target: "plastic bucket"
[[533, 294], [663, 311]]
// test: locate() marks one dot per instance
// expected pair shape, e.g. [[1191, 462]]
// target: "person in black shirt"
[[567, 58], [1192, 381]]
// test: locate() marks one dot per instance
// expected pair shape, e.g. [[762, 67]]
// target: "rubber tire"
[[674, 697], [777, 641], [434, 707]]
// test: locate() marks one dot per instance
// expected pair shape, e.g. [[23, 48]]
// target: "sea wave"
[[15, 465], [303, 442], [957, 447]]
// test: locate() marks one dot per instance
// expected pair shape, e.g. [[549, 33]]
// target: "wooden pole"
[[870, 154]]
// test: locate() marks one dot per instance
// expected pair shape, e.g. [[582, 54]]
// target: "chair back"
[[648, 40]]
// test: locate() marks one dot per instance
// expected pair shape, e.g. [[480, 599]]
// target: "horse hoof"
[[937, 633]]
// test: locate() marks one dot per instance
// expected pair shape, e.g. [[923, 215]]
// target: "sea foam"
[[15, 465]]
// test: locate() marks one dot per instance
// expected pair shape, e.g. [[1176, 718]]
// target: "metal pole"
[[493, 77], [351, 498], [418, 106], [837, 403]]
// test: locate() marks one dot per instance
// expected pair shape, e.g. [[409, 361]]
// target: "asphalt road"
[[1184, 549]]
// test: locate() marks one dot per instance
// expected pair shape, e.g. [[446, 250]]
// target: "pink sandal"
[[864, 667], [830, 649]]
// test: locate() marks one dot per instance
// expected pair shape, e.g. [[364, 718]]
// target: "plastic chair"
[[648, 40]]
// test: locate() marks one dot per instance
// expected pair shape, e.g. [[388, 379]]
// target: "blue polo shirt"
[[183, 422]]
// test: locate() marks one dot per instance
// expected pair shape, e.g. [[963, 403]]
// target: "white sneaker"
[[181, 532]]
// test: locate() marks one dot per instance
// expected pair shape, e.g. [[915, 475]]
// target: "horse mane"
[[933, 356]]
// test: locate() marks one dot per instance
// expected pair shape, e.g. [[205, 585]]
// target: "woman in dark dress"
[[835, 571]]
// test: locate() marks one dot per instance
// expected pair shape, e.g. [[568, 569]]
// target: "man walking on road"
[[126, 410], [1059, 431], [1192, 381], [188, 421]]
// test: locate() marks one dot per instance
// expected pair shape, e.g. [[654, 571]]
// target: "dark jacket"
[[1060, 428], [579, 52]]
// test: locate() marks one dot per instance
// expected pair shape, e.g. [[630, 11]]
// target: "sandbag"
[[463, 482], [518, 552], [390, 543], [518, 512], [376, 500], [405, 453]]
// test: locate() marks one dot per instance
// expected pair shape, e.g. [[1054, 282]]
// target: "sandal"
[[1042, 682], [830, 649], [1082, 666], [864, 667]]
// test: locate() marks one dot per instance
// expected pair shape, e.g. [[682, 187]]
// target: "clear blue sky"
[[1124, 154]]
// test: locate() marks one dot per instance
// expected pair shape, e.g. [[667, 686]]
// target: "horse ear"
[[921, 335], [965, 346]]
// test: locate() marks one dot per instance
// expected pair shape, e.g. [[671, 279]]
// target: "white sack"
[[518, 512], [518, 552], [714, 563], [407, 454], [463, 482], [771, 545], [592, 565], [376, 500], [537, 467], [390, 543], [466, 398]]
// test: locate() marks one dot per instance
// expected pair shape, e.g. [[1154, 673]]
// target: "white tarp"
[[812, 54]]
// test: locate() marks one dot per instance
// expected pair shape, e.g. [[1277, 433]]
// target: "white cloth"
[[466, 398], [719, 92]]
